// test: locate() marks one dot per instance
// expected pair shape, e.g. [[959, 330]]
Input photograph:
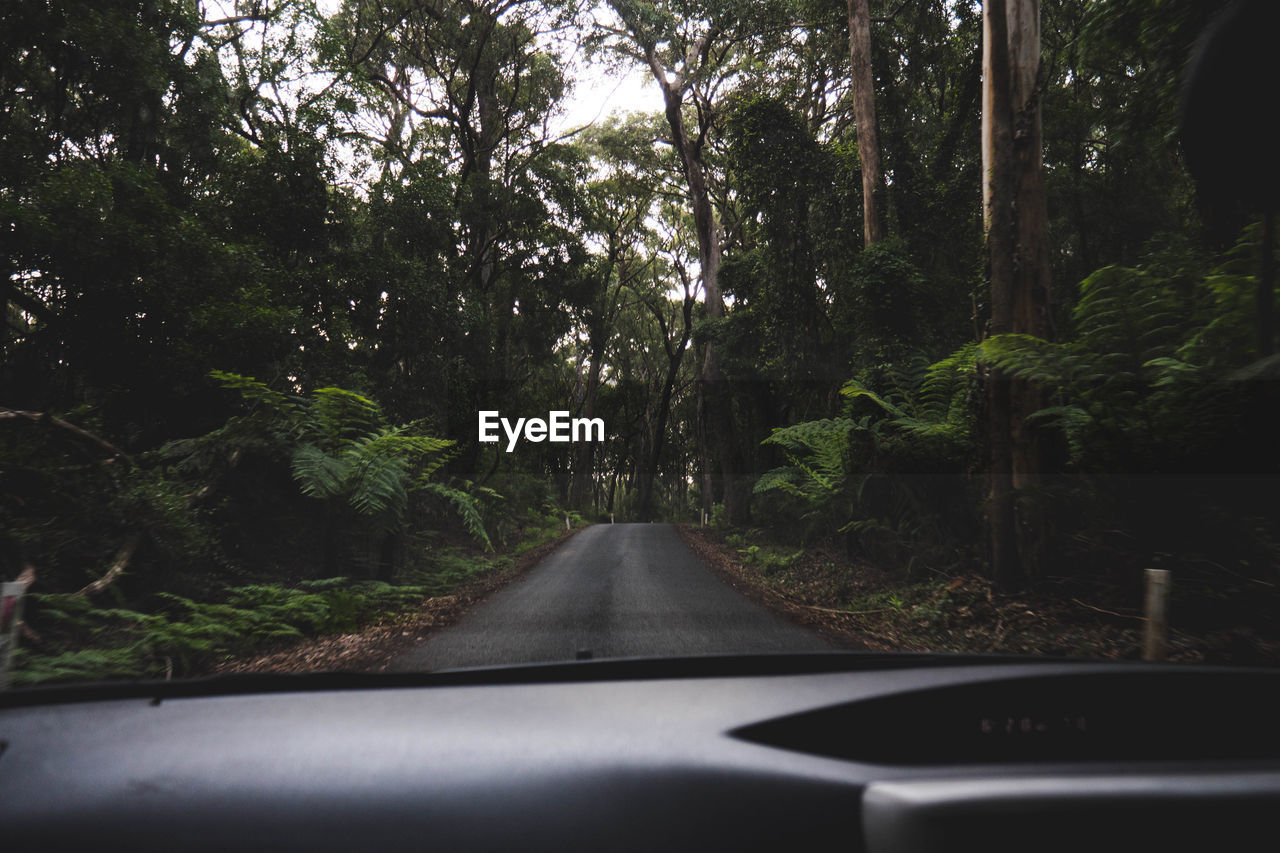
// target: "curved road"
[[618, 590]]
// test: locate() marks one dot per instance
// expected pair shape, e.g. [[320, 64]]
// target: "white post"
[[10, 617], [1155, 638], [611, 518]]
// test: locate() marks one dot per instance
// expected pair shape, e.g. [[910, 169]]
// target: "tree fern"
[[466, 507], [819, 478], [933, 403], [340, 450], [1144, 380]]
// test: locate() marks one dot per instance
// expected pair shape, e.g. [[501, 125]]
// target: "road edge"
[[721, 560], [374, 647]]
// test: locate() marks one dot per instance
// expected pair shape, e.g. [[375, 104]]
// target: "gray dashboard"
[[783, 755]]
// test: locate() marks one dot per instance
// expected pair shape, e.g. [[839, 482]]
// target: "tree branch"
[[46, 418], [123, 556]]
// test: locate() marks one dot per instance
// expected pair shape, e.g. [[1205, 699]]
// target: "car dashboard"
[[816, 752]]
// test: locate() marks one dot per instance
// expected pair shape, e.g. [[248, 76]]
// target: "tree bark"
[[1016, 224], [46, 418], [864, 116], [118, 565], [997, 195]]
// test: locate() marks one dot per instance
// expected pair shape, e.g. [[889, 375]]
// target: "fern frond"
[[318, 474], [338, 415], [777, 479], [253, 391], [855, 390], [1030, 358], [466, 508]]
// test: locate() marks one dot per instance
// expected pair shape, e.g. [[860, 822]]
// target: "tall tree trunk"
[[649, 472], [483, 345], [584, 451], [715, 418], [864, 116], [1016, 223]]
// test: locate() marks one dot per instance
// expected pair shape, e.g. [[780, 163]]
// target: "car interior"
[[847, 751]]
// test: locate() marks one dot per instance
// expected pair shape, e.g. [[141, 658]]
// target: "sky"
[[599, 93]]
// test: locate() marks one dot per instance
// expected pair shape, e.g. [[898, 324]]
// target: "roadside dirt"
[[864, 607], [372, 648]]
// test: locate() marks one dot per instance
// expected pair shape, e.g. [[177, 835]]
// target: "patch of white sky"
[[601, 91]]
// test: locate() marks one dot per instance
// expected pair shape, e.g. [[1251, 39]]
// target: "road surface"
[[617, 590]]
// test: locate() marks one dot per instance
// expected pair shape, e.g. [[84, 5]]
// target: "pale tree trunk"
[[1016, 223], [715, 421], [864, 116]]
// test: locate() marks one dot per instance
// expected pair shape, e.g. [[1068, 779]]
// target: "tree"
[[864, 99], [694, 50], [453, 98], [1018, 266]]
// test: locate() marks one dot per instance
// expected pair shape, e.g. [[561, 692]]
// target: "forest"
[[920, 291]]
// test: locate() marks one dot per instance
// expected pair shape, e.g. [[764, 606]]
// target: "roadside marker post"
[[10, 618], [1155, 639]]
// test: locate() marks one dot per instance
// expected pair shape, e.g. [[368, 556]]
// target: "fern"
[[337, 416], [934, 401], [819, 476], [1140, 384], [318, 474], [341, 451], [254, 392], [465, 506]]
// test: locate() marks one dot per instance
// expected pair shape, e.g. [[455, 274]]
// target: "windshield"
[[417, 335]]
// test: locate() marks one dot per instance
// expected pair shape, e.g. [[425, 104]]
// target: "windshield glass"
[[417, 335]]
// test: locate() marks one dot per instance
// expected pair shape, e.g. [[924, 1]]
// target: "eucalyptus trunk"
[[864, 116], [1016, 222], [715, 421]]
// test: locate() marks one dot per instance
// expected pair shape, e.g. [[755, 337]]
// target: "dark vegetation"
[[264, 268]]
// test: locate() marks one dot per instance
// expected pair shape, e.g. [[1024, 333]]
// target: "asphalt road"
[[618, 590]]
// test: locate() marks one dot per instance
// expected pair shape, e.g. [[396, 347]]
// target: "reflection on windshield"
[[349, 337]]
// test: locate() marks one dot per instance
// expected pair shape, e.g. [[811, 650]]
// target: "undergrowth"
[[961, 612], [171, 636]]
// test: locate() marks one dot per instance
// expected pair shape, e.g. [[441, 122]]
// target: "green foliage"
[[184, 209], [936, 402], [1146, 381], [770, 560], [342, 452], [889, 478], [886, 308], [465, 505], [1166, 412], [182, 636], [821, 480]]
